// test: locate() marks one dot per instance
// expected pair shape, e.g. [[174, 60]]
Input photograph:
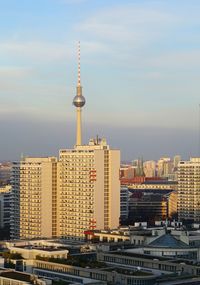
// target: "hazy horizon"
[[47, 137]]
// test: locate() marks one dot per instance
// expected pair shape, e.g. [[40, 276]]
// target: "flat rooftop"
[[17, 276], [128, 271], [45, 248], [138, 255]]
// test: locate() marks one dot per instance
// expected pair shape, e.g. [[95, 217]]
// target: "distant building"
[[177, 159], [172, 204], [130, 181], [158, 191], [5, 206], [138, 165], [127, 172], [147, 207], [5, 173], [124, 204], [149, 168], [164, 167]]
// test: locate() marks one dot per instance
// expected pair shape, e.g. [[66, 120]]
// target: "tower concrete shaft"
[[78, 127]]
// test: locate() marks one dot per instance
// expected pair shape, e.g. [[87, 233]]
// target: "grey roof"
[[168, 241]]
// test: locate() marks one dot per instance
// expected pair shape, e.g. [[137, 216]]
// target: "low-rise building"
[[12, 277], [33, 249], [106, 274], [148, 207]]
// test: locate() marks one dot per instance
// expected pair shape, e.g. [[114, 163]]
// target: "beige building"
[[34, 186], [149, 168], [65, 198], [33, 249], [89, 189], [189, 190], [12, 277], [127, 171], [172, 204], [162, 166]]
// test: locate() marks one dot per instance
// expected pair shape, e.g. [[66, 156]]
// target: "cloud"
[[32, 92], [71, 2], [75, 2], [28, 81], [178, 59], [127, 24], [35, 50], [14, 72], [134, 36]]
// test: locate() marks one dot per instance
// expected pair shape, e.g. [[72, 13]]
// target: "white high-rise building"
[[34, 186], [189, 190], [89, 190]]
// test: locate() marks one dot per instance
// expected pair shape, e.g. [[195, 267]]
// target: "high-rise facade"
[[34, 191], [189, 190], [89, 189]]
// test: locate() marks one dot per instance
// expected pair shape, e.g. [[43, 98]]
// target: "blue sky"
[[140, 69]]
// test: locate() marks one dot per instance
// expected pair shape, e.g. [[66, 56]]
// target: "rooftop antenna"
[[79, 64]]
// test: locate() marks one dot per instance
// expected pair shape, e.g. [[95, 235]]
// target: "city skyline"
[[140, 66]]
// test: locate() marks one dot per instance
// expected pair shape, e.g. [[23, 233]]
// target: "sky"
[[140, 70]]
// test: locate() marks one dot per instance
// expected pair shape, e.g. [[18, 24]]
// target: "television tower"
[[79, 102]]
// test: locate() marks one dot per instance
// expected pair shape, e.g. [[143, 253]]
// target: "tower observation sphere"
[[79, 101]]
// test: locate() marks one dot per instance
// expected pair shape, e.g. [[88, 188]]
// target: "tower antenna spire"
[[79, 64], [79, 101]]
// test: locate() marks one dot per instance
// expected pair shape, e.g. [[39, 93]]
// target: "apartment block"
[[89, 189], [34, 185]]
